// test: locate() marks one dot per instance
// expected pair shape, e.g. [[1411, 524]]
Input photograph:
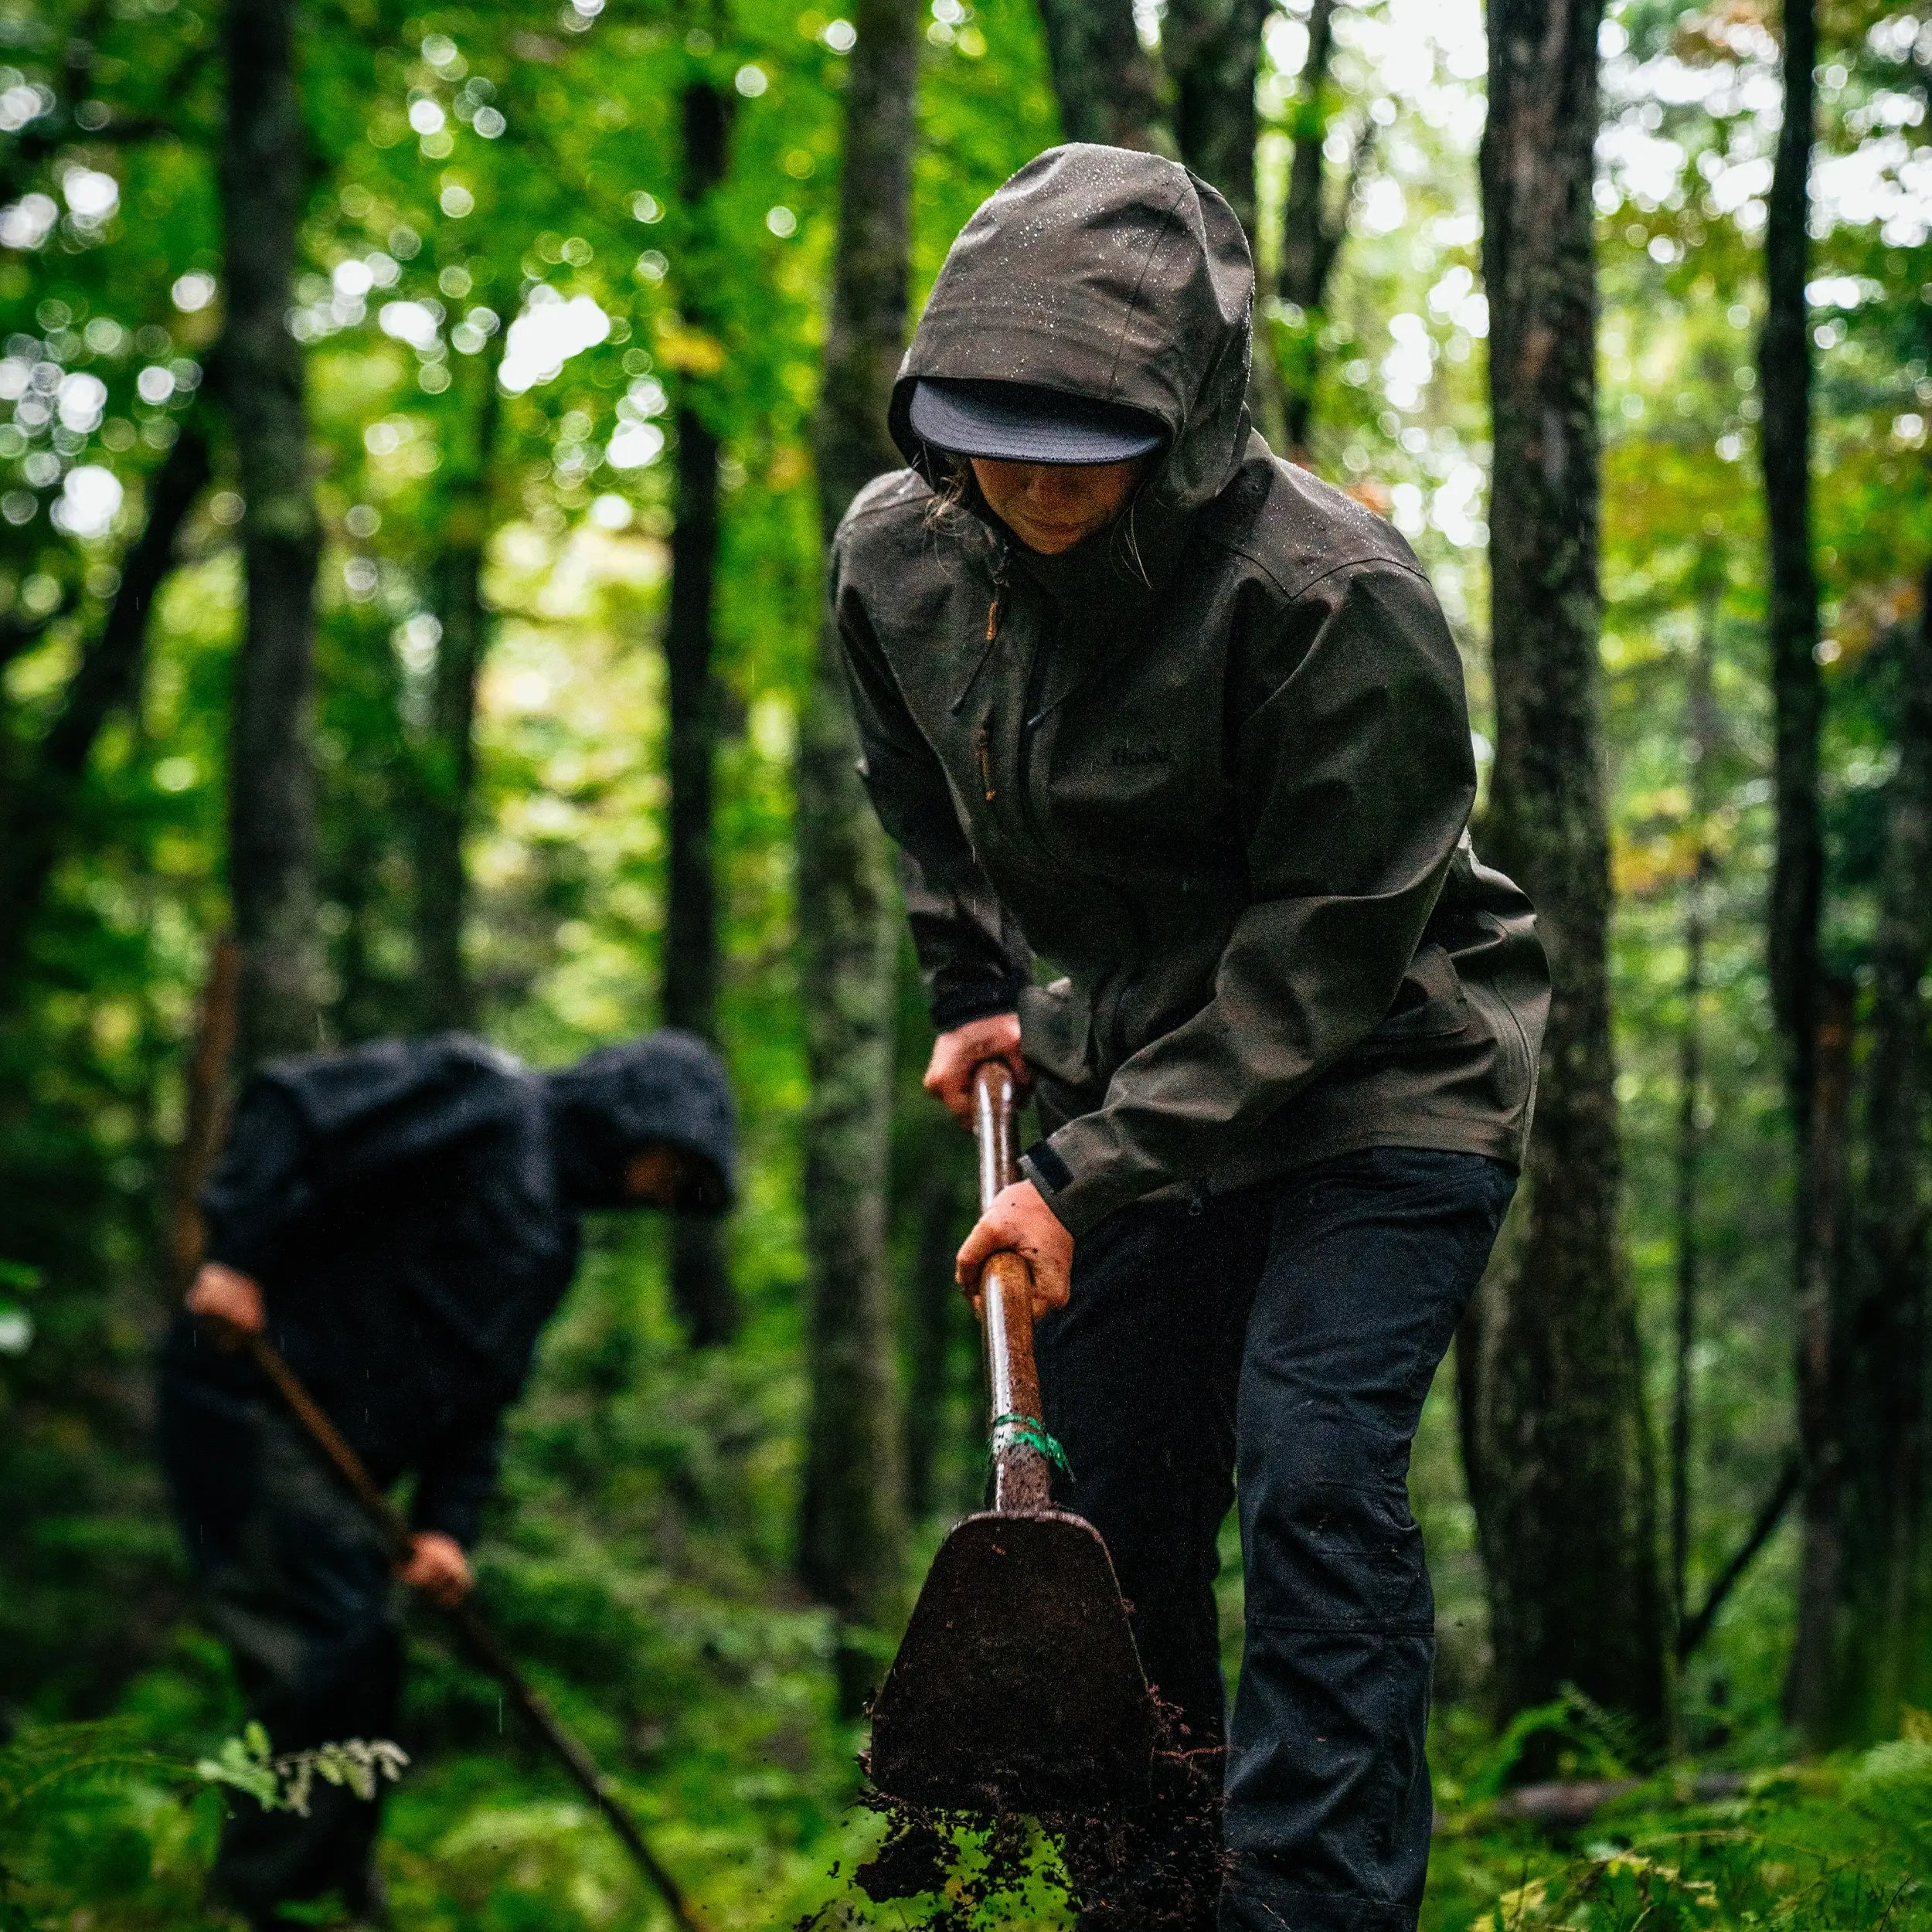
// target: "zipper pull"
[[984, 740], [999, 599]]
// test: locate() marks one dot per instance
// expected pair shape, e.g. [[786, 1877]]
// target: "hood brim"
[[1012, 423]]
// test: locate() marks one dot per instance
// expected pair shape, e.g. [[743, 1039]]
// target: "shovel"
[[1018, 1687]]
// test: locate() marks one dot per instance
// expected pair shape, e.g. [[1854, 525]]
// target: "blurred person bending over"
[[400, 1220]]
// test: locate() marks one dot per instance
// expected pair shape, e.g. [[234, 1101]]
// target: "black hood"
[[1109, 274], [668, 1088]]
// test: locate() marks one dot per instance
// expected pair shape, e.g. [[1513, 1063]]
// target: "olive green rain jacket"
[[1212, 767]]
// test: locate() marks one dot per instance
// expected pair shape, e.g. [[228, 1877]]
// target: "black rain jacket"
[[1212, 767], [411, 1210]]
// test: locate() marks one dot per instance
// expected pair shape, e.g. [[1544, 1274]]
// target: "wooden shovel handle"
[[1021, 1478]]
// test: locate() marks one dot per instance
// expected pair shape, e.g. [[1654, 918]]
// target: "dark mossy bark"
[[1555, 1439], [41, 803], [701, 1287], [1812, 1683], [1797, 872], [1883, 1406], [852, 1529], [448, 763], [1212, 51], [271, 798], [1107, 86], [1784, 375]]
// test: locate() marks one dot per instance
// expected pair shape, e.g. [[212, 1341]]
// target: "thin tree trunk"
[[446, 998], [1560, 1459], [1312, 233], [1212, 49], [1108, 87], [1812, 1686], [271, 805], [1798, 873], [852, 1530], [1884, 1404], [1784, 372], [700, 1279], [1701, 717], [108, 679]]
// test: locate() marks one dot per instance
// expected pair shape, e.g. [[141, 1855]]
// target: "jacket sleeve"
[[261, 1184], [1355, 778], [970, 956], [455, 1478]]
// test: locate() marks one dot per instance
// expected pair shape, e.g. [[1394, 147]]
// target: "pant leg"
[[1138, 1374], [299, 1587], [1372, 1259]]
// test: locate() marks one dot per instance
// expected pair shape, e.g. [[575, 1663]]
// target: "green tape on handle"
[[1032, 1435]]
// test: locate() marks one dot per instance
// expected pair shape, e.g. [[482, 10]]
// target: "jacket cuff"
[[1084, 1175], [978, 1000]]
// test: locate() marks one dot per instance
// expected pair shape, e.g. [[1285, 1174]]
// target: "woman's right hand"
[[957, 1056], [228, 1301]]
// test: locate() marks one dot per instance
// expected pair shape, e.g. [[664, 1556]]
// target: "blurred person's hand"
[[228, 1301], [437, 1567]]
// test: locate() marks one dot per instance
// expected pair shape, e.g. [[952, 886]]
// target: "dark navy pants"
[[300, 1587], [1276, 1345]]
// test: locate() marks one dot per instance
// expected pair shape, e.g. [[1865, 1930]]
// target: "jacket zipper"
[[994, 611]]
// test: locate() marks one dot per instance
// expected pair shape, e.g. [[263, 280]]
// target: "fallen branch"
[[1566, 1804]]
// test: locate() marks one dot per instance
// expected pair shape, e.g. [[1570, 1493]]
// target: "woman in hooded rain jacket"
[[1172, 738]]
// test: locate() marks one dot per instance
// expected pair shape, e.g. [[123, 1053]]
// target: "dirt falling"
[[1151, 1867]]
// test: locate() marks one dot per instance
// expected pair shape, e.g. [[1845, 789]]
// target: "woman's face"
[[1050, 507]]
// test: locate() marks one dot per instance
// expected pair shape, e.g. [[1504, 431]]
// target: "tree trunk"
[[1811, 1685], [1884, 1402], [1702, 717], [1212, 48], [1559, 1454], [1312, 233], [108, 679], [700, 1279], [1108, 88], [446, 996], [852, 1531], [1784, 373], [1798, 871], [271, 797]]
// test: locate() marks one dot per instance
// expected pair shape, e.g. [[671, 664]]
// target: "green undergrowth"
[[111, 1829], [1842, 1846]]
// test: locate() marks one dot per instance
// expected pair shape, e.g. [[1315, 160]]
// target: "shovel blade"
[[1018, 1687]]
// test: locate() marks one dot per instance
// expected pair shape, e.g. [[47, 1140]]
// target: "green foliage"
[[1842, 1845], [476, 168]]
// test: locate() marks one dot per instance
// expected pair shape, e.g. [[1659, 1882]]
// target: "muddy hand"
[[1020, 1220]]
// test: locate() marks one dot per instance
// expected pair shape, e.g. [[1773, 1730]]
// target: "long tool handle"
[[1021, 1478], [480, 1640]]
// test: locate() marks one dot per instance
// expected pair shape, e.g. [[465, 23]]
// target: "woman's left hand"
[[1019, 1220]]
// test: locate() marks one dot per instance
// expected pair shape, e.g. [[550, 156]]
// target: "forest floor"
[[110, 1828]]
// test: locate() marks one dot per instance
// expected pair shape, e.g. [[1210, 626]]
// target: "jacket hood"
[[1109, 274], [668, 1087]]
